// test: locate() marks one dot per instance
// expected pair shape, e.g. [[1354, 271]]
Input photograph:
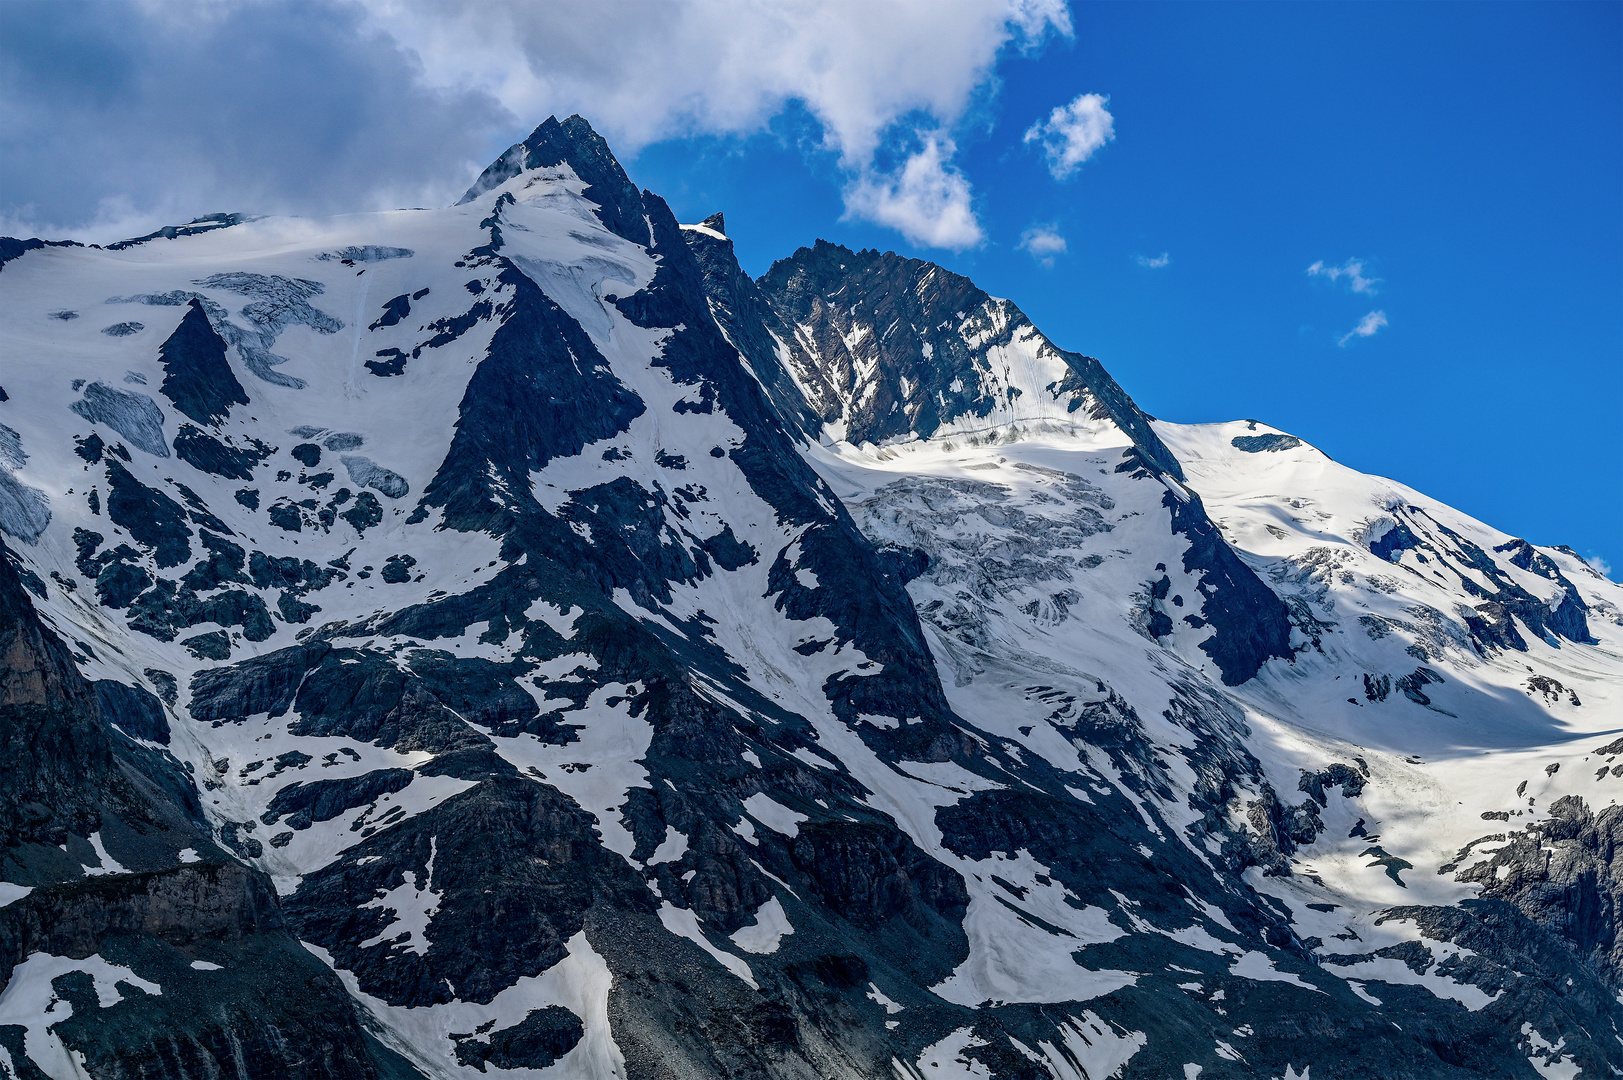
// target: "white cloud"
[[362, 104], [1599, 565], [1352, 270], [1156, 263], [926, 200], [646, 70], [116, 119], [1073, 132], [1044, 242], [1366, 327]]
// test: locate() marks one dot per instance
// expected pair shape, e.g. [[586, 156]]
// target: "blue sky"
[[1459, 165]]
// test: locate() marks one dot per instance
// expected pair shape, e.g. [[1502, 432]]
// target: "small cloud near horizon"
[[1072, 133], [1156, 263], [1043, 242], [1367, 326], [1600, 566], [1352, 270]]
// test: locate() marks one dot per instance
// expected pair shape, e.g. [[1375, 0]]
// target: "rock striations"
[[509, 640]]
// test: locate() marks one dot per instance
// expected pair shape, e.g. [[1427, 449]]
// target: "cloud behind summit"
[[116, 117]]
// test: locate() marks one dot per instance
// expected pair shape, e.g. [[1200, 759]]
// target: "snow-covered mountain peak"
[[887, 349], [714, 226], [514, 641], [572, 142]]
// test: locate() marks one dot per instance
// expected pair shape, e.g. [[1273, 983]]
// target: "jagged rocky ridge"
[[607, 664]]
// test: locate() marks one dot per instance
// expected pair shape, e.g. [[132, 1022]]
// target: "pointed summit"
[[973, 362], [573, 142]]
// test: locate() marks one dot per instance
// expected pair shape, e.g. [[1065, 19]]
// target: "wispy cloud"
[[1352, 270], [1153, 264], [1072, 133], [1044, 242], [926, 200], [1367, 326], [1599, 565]]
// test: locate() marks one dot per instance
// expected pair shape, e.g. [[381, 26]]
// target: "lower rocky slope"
[[137, 946]]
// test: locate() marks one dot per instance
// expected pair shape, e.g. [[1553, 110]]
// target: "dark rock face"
[[871, 875], [480, 691], [397, 569], [1349, 780], [270, 1010], [1253, 624], [265, 684], [393, 311], [1261, 444], [526, 872], [165, 610], [367, 697], [393, 363], [223, 565], [326, 799], [543, 391], [196, 376], [535, 1042], [134, 709], [214, 645], [61, 761], [1504, 602], [366, 512], [267, 1009], [152, 518], [372, 700], [203, 451], [1560, 873], [751, 324]]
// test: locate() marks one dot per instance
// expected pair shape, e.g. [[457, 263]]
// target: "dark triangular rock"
[[196, 376]]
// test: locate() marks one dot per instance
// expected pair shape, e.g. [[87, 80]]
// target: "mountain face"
[[575, 658]]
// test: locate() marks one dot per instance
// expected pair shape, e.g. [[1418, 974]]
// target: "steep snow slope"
[[1483, 670], [618, 667]]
